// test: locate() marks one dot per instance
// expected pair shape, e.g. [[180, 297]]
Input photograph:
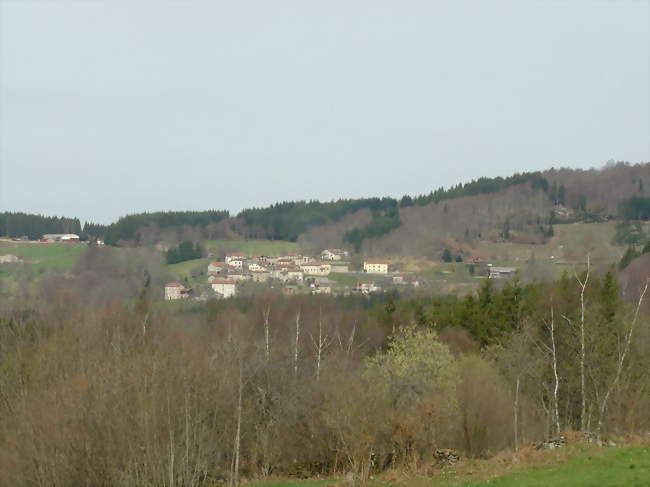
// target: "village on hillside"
[[295, 273], [332, 272]]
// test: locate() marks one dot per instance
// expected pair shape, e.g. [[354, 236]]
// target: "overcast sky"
[[116, 107]]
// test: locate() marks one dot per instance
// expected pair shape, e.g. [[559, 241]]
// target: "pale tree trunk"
[[516, 414], [621, 359], [234, 475], [267, 339], [320, 346], [296, 346], [347, 347], [583, 353], [556, 384]]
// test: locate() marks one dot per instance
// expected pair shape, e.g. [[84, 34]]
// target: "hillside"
[[523, 208], [525, 212]]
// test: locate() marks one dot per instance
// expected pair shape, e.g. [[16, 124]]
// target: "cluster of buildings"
[[60, 237], [296, 272]]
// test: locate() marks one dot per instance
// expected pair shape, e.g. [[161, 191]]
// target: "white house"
[[333, 254], [499, 272], [237, 256], [367, 287], [316, 268], [374, 266], [175, 290], [295, 274], [255, 267], [237, 262], [225, 288]]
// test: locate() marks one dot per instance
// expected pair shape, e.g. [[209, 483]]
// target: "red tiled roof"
[[223, 281], [375, 261], [173, 284]]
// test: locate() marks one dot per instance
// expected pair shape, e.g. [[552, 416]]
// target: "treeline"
[[186, 250], [636, 208], [289, 219], [17, 225], [134, 394], [382, 223], [479, 186], [127, 228]]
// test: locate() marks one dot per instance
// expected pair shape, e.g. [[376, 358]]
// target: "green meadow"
[[40, 256]]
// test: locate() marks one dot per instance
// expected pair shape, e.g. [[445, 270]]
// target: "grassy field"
[[251, 247], [566, 250], [616, 467], [62, 256], [578, 466]]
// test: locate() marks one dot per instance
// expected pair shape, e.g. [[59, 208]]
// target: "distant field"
[[39, 256], [183, 270], [251, 247], [566, 250]]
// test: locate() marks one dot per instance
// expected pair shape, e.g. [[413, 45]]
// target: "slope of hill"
[[521, 208], [523, 212]]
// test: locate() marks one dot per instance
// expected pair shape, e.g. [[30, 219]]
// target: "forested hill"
[[526, 201], [34, 226]]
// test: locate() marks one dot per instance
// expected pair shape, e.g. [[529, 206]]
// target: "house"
[[260, 276], [237, 262], [399, 279], [175, 290], [318, 289], [255, 267], [224, 288], [239, 275], [10, 259], [367, 287], [295, 274], [374, 266], [499, 272], [216, 267], [235, 256], [333, 254], [70, 238], [316, 268]]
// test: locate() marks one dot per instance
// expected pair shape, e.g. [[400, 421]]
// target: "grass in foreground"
[[616, 467], [577, 466]]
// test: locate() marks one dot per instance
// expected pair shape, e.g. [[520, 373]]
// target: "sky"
[[117, 107]]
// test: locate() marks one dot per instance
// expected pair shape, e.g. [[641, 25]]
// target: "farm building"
[[60, 237], [224, 288], [333, 254], [316, 268], [374, 266], [175, 290], [499, 272]]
